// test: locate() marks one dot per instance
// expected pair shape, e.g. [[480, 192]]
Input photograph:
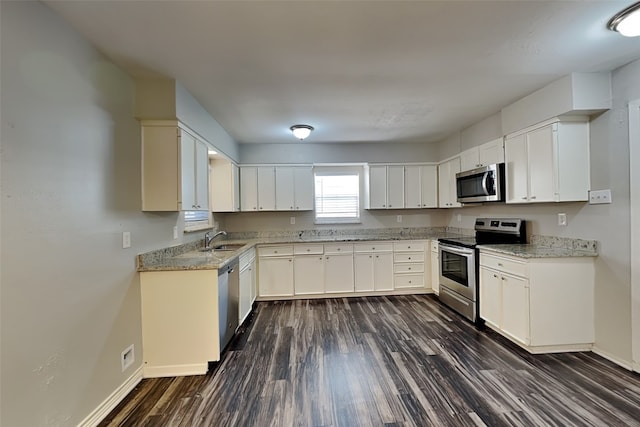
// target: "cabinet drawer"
[[373, 247], [279, 250], [408, 268], [434, 246], [408, 257], [409, 246], [308, 249], [338, 248], [506, 265], [408, 281]]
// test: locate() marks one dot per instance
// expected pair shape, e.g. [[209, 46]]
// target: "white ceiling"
[[387, 71]]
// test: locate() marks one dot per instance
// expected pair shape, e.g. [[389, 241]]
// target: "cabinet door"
[[308, 274], [454, 168], [188, 170], [202, 176], [235, 179], [429, 186], [516, 165], [266, 188], [338, 273], [395, 187], [248, 188], [435, 272], [469, 159], [244, 294], [275, 276], [363, 269], [492, 152], [303, 188], [284, 188], [491, 297], [443, 185], [541, 164], [223, 186], [254, 282], [515, 308], [378, 187], [412, 187], [383, 271]]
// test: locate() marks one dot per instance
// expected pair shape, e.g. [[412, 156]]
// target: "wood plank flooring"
[[383, 361]]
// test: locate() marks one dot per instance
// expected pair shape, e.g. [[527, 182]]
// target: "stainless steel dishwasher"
[[228, 300]]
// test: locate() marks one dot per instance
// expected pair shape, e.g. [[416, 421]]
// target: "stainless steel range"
[[459, 258]]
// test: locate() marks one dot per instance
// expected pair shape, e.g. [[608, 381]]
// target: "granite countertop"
[[189, 256], [538, 251]]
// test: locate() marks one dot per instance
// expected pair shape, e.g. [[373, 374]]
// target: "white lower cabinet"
[[247, 291], [275, 271], [308, 269], [435, 267], [316, 269], [338, 268], [542, 304], [409, 264], [373, 266]]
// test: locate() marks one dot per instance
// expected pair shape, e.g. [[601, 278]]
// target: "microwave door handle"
[[485, 179]]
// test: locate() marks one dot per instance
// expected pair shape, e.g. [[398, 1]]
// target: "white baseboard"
[[101, 412], [625, 364], [636, 366], [175, 370]]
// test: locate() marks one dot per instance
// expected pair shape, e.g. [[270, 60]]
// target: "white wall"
[[70, 172], [307, 152], [608, 224]]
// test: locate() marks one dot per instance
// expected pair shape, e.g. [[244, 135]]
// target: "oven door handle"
[[456, 250]]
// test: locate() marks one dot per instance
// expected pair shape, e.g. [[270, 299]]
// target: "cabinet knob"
[[533, 197], [260, 207], [339, 249], [495, 275], [409, 268], [377, 256], [500, 265], [291, 207], [275, 252], [524, 198]]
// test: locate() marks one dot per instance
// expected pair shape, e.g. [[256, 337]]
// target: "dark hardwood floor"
[[383, 361]]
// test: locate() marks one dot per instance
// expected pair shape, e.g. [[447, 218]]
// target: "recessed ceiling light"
[[627, 21], [301, 131], [212, 152]]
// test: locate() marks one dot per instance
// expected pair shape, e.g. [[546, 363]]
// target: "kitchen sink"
[[224, 247]]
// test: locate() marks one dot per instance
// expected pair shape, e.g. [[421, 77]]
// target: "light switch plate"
[[126, 239], [599, 197]]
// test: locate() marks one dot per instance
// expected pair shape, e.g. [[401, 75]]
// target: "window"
[[196, 220], [337, 197]]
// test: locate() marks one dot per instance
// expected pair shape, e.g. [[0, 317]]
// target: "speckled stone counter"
[[189, 257], [547, 247]]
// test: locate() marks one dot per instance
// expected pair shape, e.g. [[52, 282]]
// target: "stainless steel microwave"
[[484, 184]]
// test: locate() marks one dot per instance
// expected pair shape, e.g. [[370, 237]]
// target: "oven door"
[[458, 270]]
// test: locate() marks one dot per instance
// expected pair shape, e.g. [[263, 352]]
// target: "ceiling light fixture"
[[627, 21], [301, 131]]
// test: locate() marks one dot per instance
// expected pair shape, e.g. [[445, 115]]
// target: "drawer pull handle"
[[500, 265]]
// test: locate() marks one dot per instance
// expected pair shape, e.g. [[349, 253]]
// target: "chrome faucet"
[[208, 238]]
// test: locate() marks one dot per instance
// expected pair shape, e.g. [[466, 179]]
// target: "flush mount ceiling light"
[[301, 131], [627, 22]]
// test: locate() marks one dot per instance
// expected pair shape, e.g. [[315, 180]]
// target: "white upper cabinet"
[[248, 188], [281, 188], [483, 155], [224, 186], [395, 187], [377, 187], [447, 183], [266, 188], [421, 186], [294, 188], [175, 168], [548, 163]]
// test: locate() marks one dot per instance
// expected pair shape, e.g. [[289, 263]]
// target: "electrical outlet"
[[399, 218], [127, 357], [175, 232], [292, 220], [126, 239], [562, 219], [599, 197]]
